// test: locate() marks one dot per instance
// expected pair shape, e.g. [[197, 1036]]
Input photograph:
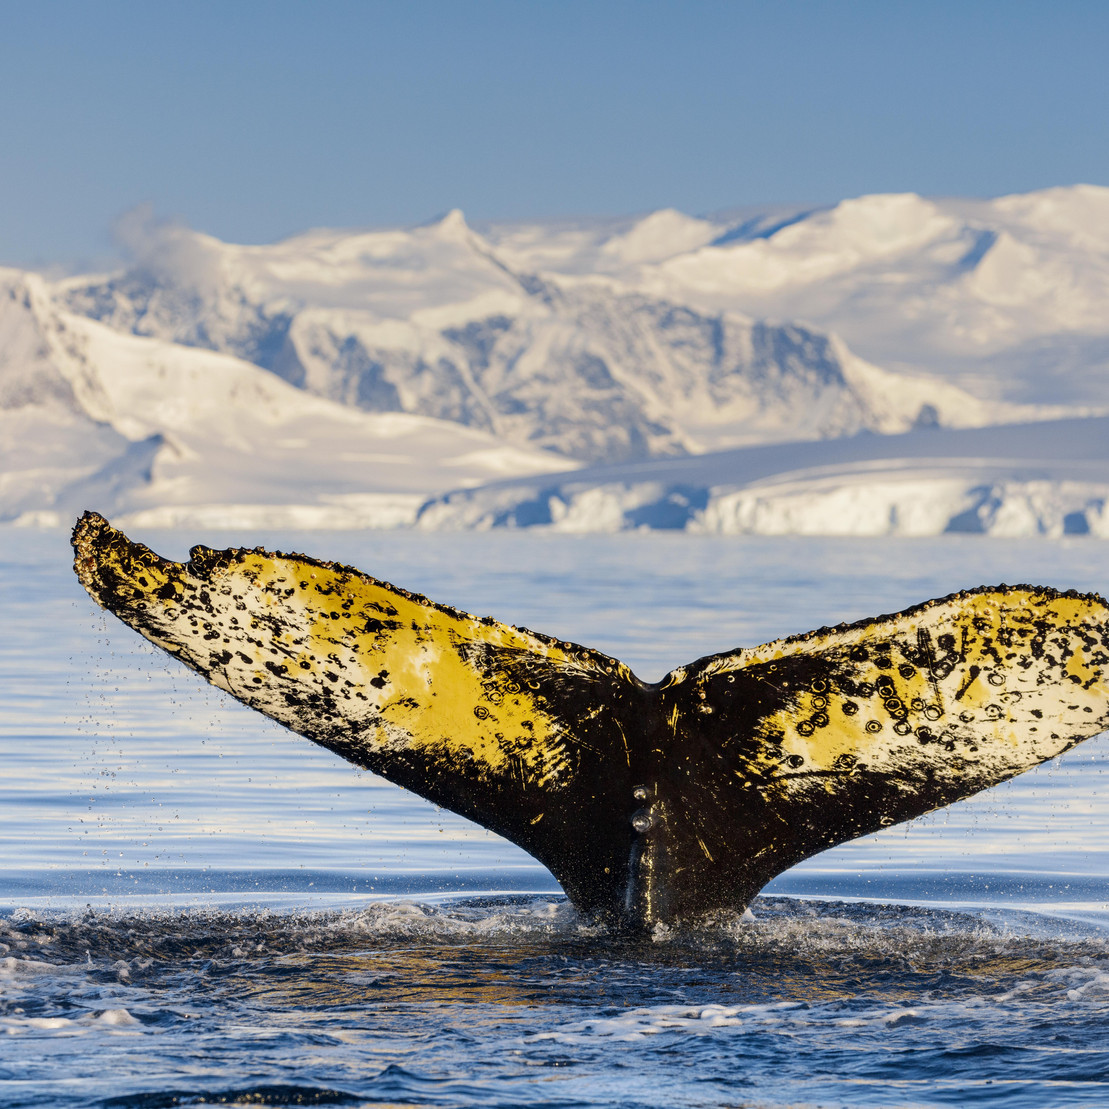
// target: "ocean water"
[[199, 908]]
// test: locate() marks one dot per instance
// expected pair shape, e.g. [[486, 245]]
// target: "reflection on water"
[[198, 908]]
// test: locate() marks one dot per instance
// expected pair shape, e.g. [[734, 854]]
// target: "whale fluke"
[[650, 803]]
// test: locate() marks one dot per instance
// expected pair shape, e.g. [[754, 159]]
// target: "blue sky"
[[253, 120]]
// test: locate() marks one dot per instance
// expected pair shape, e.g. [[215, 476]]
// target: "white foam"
[[116, 1018], [19, 1025]]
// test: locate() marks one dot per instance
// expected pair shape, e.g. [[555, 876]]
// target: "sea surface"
[[199, 908]]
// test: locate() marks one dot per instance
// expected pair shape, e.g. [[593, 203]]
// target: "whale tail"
[[648, 802]]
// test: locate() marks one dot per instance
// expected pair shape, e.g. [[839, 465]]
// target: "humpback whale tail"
[[648, 802]]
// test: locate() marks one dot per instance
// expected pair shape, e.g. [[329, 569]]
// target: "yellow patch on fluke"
[[406, 674], [975, 682]]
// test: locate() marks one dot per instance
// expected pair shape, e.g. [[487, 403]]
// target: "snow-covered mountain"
[[163, 434], [1005, 297], [434, 321], [348, 377]]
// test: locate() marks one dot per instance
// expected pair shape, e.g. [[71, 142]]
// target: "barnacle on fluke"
[[648, 802]]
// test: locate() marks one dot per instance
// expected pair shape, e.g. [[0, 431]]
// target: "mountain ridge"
[[589, 366]]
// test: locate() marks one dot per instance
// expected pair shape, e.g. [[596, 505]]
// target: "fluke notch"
[[650, 803]]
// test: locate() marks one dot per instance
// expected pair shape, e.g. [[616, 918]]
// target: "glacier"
[[892, 364], [1044, 478]]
